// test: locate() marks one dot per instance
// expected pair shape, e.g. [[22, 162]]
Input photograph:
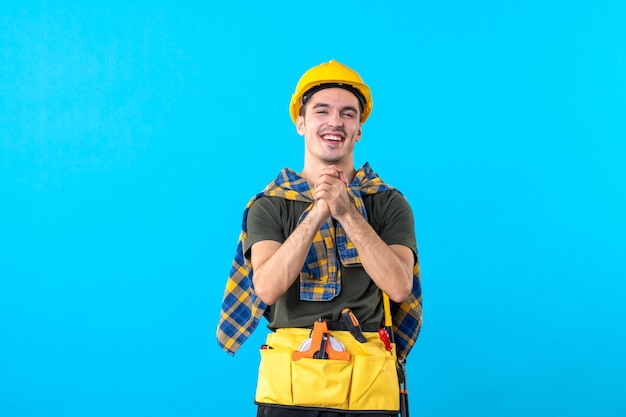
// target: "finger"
[[321, 191], [324, 180], [333, 170], [339, 174], [343, 178], [331, 180]]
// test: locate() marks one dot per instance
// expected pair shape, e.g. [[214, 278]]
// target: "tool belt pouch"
[[366, 381]]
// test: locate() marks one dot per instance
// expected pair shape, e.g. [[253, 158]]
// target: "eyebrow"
[[318, 105]]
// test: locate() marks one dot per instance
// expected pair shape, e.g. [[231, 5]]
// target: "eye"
[[349, 114]]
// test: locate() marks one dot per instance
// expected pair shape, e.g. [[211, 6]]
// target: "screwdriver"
[[352, 323]]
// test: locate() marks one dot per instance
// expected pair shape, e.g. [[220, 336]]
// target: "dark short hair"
[[309, 93]]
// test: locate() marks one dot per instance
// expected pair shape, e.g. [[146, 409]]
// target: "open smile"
[[334, 137]]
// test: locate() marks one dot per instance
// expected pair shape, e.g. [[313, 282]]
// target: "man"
[[317, 243]]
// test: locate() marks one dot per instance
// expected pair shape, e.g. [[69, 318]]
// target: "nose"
[[335, 120]]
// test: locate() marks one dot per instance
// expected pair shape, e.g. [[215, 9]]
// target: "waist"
[[340, 326]]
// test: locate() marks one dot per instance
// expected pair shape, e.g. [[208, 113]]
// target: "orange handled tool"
[[321, 347], [352, 323]]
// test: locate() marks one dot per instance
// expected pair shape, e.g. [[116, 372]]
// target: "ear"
[[359, 133], [300, 125]]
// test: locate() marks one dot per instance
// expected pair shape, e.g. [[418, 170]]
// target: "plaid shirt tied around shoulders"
[[319, 281]]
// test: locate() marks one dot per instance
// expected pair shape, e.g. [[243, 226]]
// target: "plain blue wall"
[[132, 134]]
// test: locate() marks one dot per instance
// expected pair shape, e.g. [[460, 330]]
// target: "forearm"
[[277, 266], [391, 268]]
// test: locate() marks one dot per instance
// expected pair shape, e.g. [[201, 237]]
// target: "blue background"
[[132, 134]]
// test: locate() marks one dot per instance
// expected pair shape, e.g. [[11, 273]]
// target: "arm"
[[389, 266], [277, 265]]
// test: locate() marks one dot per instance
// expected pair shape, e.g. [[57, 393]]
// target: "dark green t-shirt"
[[274, 218]]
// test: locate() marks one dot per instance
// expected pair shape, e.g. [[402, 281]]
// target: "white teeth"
[[332, 137]]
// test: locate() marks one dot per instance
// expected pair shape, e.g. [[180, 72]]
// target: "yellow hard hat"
[[328, 75]]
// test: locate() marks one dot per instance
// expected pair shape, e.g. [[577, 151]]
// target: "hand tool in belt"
[[352, 323], [320, 347]]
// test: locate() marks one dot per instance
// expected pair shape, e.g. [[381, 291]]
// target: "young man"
[[316, 243]]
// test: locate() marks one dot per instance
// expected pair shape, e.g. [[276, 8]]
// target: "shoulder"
[[267, 211], [391, 216], [270, 204], [387, 200], [265, 202]]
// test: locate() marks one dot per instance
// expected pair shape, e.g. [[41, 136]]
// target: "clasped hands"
[[331, 195]]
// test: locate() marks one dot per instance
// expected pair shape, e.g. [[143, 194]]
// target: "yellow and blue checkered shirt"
[[319, 281]]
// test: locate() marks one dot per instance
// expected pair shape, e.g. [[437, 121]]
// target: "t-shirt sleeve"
[[396, 227], [263, 223]]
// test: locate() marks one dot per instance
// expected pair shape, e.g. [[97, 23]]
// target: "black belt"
[[366, 327], [340, 326]]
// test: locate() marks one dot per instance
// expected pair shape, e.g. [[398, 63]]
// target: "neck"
[[311, 171]]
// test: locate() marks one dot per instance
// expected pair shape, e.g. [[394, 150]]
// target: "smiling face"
[[331, 126]]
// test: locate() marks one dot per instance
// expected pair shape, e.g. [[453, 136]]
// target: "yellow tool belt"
[[362, 378]]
